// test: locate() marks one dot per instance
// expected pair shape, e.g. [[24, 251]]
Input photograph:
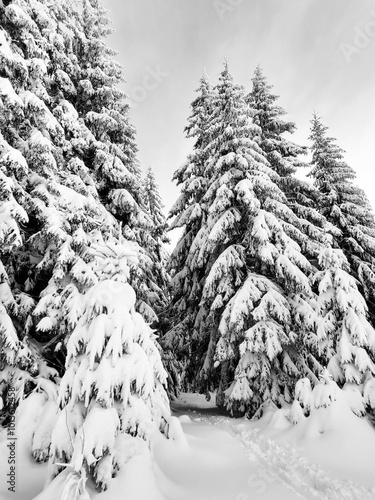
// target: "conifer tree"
[[346, 206], [254, 276], [284, 156], [67, 160], [61, 169], [189, 214], [114, 375], [155, 206], [159, 239], [102, 106], [346, 338], [116, 168], [31, 152]]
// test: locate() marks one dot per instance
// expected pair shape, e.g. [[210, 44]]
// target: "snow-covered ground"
[[210, 456], [328, 456]]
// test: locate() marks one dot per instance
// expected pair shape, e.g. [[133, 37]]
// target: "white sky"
[[298, 43]]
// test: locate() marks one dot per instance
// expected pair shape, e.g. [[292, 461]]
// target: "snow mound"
[[184, 419], [176, 433]]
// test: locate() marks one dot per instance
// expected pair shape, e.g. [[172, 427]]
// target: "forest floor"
[[213, 457]]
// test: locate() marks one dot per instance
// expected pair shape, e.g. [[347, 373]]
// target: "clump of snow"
[[184, 419], [176, 433]]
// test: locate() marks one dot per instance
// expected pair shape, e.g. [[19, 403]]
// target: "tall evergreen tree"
[[189, 213], [89, 81], [346, 206], [65, 162], [284, 157], [33, 151], [155, 206], [154, 281], [253, 272]]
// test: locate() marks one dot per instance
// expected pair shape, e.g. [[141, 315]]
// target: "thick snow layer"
[[327, 456]]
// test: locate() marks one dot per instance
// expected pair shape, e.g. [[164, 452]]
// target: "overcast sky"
[[318, 54]]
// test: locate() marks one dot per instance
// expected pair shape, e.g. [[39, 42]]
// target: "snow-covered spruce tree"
[[254, 274], [47, 156], [189, 214], [283, 156], [57, 236], [114, 375], [102, 106], [346, 206], [346, 338], [154, 207], [31, 151]]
